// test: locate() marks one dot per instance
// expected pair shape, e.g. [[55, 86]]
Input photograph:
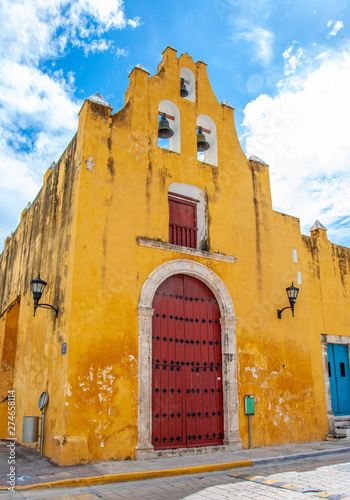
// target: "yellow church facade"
[[167, 264]]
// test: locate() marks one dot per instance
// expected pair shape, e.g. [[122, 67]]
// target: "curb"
[[299, 456], [134, 476], [153, 474]]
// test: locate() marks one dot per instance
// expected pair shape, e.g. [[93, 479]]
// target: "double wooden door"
[[339, 378], [187, 397]]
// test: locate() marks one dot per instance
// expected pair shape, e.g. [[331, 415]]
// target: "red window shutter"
[[182, 220]]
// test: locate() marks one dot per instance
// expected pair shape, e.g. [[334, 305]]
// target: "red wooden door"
[[187, 400]]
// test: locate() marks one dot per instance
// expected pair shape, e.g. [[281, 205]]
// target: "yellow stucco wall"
[[43, 243], [81, 233]]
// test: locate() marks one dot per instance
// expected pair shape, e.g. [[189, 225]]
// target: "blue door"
[[339, 378]]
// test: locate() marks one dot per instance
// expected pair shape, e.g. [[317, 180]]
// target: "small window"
[[342, 369], [182, 220]]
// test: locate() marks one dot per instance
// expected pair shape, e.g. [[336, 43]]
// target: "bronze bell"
[[202, 144], [164, 130], [183, 90]]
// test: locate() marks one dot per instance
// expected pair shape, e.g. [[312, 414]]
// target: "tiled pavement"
[[332, 482]]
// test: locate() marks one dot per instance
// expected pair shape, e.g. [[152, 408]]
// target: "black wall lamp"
[[292, 292], [37, 285]]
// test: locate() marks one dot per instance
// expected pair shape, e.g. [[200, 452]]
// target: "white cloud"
[[134, 23], [31, 31], [94, 46], [247, 22], [100, 45], [337, 25], [292, 60], [38, 109], [121, 52], [262, 40], [38, 118], [303, 134]]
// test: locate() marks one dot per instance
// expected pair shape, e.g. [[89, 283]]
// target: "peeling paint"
[[254, 371], [68, 390]]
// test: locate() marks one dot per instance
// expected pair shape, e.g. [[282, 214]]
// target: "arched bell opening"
[[187, 85], [202, 144], [168, 126], [183, 88], [206, 140], [164, 130]]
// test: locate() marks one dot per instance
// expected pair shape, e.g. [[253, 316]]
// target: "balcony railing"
[[185, 236]]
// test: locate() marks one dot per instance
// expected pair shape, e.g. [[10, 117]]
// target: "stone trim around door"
[[325, 340], [144, 448]]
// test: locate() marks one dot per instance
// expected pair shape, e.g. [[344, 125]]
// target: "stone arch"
[[228, 322]]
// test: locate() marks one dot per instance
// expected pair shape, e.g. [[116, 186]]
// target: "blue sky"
[[283, 64]]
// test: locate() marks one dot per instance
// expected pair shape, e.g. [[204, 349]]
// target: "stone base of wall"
[[69, 450], [180, 452]]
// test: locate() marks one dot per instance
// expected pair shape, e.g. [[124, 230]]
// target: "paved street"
[[315, 476]]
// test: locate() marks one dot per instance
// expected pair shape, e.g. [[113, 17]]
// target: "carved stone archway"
[[144, 448]]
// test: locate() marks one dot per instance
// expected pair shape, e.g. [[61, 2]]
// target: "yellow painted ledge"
[[134, 476]]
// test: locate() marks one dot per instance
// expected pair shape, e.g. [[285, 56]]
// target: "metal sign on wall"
[[249, 405]]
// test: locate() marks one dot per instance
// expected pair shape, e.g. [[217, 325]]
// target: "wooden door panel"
[[339, 378], [341, 362], [187, 400], [167, 373]]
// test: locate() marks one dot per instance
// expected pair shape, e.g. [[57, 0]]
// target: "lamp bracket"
[[280, 311], [47, 306]]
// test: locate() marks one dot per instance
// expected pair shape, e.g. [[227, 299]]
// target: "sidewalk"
[[36, 471]]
